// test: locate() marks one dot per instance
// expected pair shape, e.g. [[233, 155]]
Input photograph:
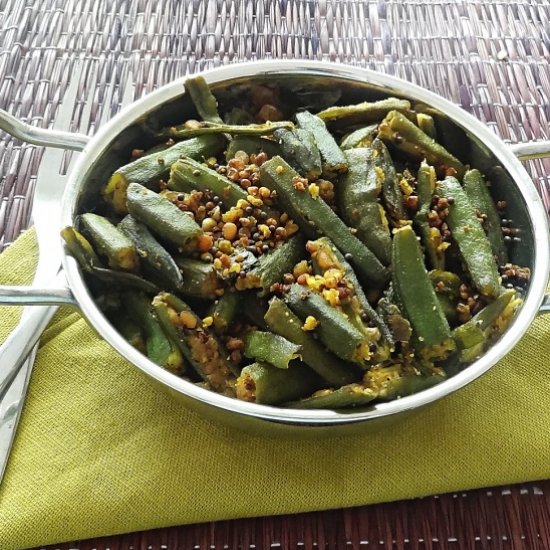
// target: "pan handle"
[[531, 150], [41, 136]]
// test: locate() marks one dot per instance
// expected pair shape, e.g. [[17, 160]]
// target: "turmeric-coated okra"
[[362, 137], [203, 99], [271, 348], [298, 146], [352, 395], [282, 320], [315, 217], [149, 169], [472, 241]]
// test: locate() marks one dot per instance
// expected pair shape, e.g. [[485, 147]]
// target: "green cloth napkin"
[[101, 450]]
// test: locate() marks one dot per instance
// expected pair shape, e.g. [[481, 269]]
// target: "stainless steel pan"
[[482, 148]]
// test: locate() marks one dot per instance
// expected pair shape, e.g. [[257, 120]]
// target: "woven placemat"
[[490, 57]]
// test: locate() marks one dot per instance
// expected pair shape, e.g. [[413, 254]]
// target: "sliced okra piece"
[[395, 381], [334, 328], [358, 193], [271, 348], [266, 384], [80, 248], [212, 128], [282, 320], [475, 248], [430, 236], [154, 258], [352, 395], [416, 296], [298, 146], [314, 217], [203, 99], [199, 278], [327, 259], [201, 348], [109, 241], [149, 169], [427, 124], [188, 174], [472, 332], [393, 317], [362, 137], [409, 138], [271, 267], [252, 145], [333, 159], [162, 217], [224, 310], [480, 198], [159, 348], [368, 111]]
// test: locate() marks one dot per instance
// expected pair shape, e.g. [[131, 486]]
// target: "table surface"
[[491, 58]]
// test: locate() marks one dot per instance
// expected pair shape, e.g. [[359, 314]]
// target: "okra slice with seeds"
[[203, 99], [333, 159], [266, 384], [199, 279], [188, 174], [282, 320], [159, 348], [352, 395], [162, 217], [475, 248], [315, 217], [478, 194], [409, 138], [270, 347], [109, 241], [358, 193], [368, 111], [201, 348], [154, 258], [333, 327], [299, 148], [415, 295], [149, 169]]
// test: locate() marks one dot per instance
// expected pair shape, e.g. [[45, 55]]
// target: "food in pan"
[[299, 256]]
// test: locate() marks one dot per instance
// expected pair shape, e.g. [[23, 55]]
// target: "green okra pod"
[[298, 146], [264, 383], [252, 145], [224, 310], [271, 348], [110, 242], [427, 124], [393, 317], [154, 258], [325, 258], [368, 111], [430, 236], [473, 332], [315, 217], [199, 279], [480, 198], [334, 328], [333, 159], [475, 248], [188, 174], [271, 267], [416, 296], [149, 169], [159, 348], [162, 217], [409, 138], [282, 320], [352, 395], [362, 137], [203, 99], [201, 348], [358, 193], [212, 128]]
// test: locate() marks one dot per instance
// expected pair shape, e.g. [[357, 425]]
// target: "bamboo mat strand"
[[491, 58]]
